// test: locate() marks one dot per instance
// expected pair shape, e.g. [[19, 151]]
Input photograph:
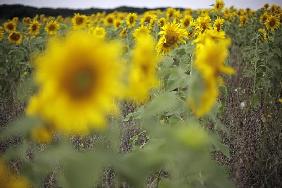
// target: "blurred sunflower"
[[34, 28], [263, 34], [85, 82], [142, 30], [131, 20], [1, 33], [264, 17], [272, 23], [26, 20], [99, 32], [15, 37], [203, 23], [79, 21], [211, 53], [117, 23], [142, 76], [243, 20], [109, 20], [8, 179], [10, 26], [186, 21], [162, 22], [148, 19], [219, 5], [42, 135], [52, 27], [171, 36]]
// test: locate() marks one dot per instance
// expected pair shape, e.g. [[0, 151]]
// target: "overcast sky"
[[139, 3]]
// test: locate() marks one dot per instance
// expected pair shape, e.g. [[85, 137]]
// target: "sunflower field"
[[168, 98]]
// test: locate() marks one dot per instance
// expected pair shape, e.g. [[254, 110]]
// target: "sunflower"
[[26, 20], [79, 21], [263, 34], [85, 82], [142, 76], [9, 179], [123, 33], [131, 20], [109, 20], [218, 24], [117, 23], [162, 22], [186, 21], [99, 32], [34, 28], [42, 135], [171, 36], [272, 23], [52, 27], [142, 30], [210, 54], [1, 33], [264, 17], [148, 19], [15, 37], [203, 23], [243, 20], [219, 5], [10, 26]]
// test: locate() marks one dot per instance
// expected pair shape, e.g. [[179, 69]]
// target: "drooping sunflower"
[[52, 27], [210, 56], [142, 30], [272, 23], [15, 37], [219, 5], [85, 83], [171, 36], [218, 23], [142, 75], [34, 28], [131, 20], [99, 32], [79, 21], [10, 26]]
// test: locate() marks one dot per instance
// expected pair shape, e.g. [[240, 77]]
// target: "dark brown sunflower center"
[[186, 23], [79, 83], [34, 27], [148, 19], [272, 23], [171, 39], [15, 36], [10, 26], [51, 27], [131, 20], [79, 20], [110, 20]]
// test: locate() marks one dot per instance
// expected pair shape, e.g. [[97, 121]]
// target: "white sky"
[[254, 4]]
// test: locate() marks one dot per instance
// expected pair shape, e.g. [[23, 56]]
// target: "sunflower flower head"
[[10, 26], [15, 37], [272, 23], [34, 28], [142, 30], [131, 20], [52, 27], [85, 83], [219, 5], [210, 56], [79, 21], [218, 23], [171, 36], [99, 32], [142, 76]]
